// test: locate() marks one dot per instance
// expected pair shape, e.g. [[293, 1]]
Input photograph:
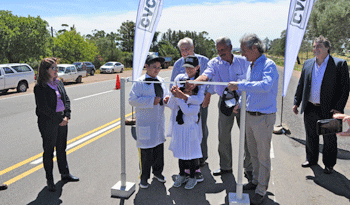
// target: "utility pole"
[[53, 47]]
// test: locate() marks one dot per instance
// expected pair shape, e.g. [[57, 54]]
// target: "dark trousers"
[[53, 136], [185, 164], [311, 115], [152, 158], [205, 132]]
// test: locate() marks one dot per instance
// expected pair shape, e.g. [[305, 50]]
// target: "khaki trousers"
[[258, 134]]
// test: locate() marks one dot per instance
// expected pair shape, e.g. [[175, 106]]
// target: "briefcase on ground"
[[329, 126]]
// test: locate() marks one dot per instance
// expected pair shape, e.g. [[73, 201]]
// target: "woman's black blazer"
[[46, 102]]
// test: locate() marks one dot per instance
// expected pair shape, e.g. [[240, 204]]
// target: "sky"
[[266, 18]]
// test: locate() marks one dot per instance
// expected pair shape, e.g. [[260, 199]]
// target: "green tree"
[[278, 46], [22, 38], [331, 18], [126, 36], [107, 46], [70, 46], [202, 44]]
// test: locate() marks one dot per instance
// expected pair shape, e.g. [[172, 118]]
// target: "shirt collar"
[[147, 76], [260, 59], [324, 62]]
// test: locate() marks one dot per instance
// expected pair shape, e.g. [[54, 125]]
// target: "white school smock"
[[186, 138], [150, 120]]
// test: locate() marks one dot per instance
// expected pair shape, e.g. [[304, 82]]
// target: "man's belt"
[[257, 113], [315, 104]]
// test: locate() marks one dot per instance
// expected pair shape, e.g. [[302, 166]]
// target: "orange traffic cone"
[[117, 83]]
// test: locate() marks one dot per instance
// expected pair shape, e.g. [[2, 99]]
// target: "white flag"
[[299, 13], [148, 16]]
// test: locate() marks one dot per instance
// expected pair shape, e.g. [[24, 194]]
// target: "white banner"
[[299, 13], [148, 16]]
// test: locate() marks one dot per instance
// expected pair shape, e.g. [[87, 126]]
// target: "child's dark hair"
[[179, 116]]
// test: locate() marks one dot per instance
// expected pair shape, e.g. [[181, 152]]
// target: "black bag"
[[329, 126], [228, 102]]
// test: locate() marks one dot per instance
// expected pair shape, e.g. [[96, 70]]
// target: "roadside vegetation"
[[29, 39]]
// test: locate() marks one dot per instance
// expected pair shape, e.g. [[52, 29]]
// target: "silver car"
[[111, 67]]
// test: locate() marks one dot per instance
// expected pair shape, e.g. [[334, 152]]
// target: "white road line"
[[40, 160], [93, 95], [272, 154]]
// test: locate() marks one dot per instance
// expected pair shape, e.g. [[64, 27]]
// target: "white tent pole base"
[[233, 200], [123, 191]]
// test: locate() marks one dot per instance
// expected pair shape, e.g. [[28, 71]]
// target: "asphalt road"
[[94, 156]]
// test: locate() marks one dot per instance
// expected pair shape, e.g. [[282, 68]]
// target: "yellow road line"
[[68, 142], [21, 176]]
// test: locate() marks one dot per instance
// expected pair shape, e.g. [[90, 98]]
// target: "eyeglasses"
[[54, 68]]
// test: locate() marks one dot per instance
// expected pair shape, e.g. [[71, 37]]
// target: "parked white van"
[[15, 76]]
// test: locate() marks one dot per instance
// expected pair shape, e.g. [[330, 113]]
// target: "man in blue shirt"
[[225, 68], [261, 86]]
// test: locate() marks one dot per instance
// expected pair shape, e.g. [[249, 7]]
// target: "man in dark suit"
[[323, 90]]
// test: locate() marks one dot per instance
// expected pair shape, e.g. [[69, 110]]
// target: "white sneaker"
[[191, 183], [179, 181]]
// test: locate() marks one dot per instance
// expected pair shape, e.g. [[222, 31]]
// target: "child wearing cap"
[[148, 100], [185, 125]]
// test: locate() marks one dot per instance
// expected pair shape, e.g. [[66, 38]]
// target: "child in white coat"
[[148, 100], [185, 127]]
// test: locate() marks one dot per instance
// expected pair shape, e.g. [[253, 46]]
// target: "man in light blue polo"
[[225, 68], [261, 86]]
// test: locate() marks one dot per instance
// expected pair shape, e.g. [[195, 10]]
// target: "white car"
[[68, 72], [15, 76], [111, 67]]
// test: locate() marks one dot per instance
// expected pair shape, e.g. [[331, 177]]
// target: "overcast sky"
[[266, 18]]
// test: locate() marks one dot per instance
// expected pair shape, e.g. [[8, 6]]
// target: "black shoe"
[[257, 199], [249, 186], [307, 164], [248, 175], [328, 170], [160, 178], [198, 176], [3, 186], [221, 172], [51, 186], [69, 177], [144, 184]]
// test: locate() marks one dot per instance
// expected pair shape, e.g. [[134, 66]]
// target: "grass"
[[303, 56]]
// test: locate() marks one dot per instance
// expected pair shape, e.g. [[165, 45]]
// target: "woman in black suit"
[[53, 111]]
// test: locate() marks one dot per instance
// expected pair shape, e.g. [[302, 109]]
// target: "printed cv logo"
[[149, 15], [300, 13]]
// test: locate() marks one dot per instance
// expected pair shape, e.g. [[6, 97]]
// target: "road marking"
[[40, 160], [272, 154], [93, 95], [68, 142], [21, 176]]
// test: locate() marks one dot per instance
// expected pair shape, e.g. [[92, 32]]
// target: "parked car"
[[111, 67], [68, 72], [15, 76], [88, 66]]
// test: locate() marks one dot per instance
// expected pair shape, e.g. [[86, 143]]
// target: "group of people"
[[323, 90], [252, 72]]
